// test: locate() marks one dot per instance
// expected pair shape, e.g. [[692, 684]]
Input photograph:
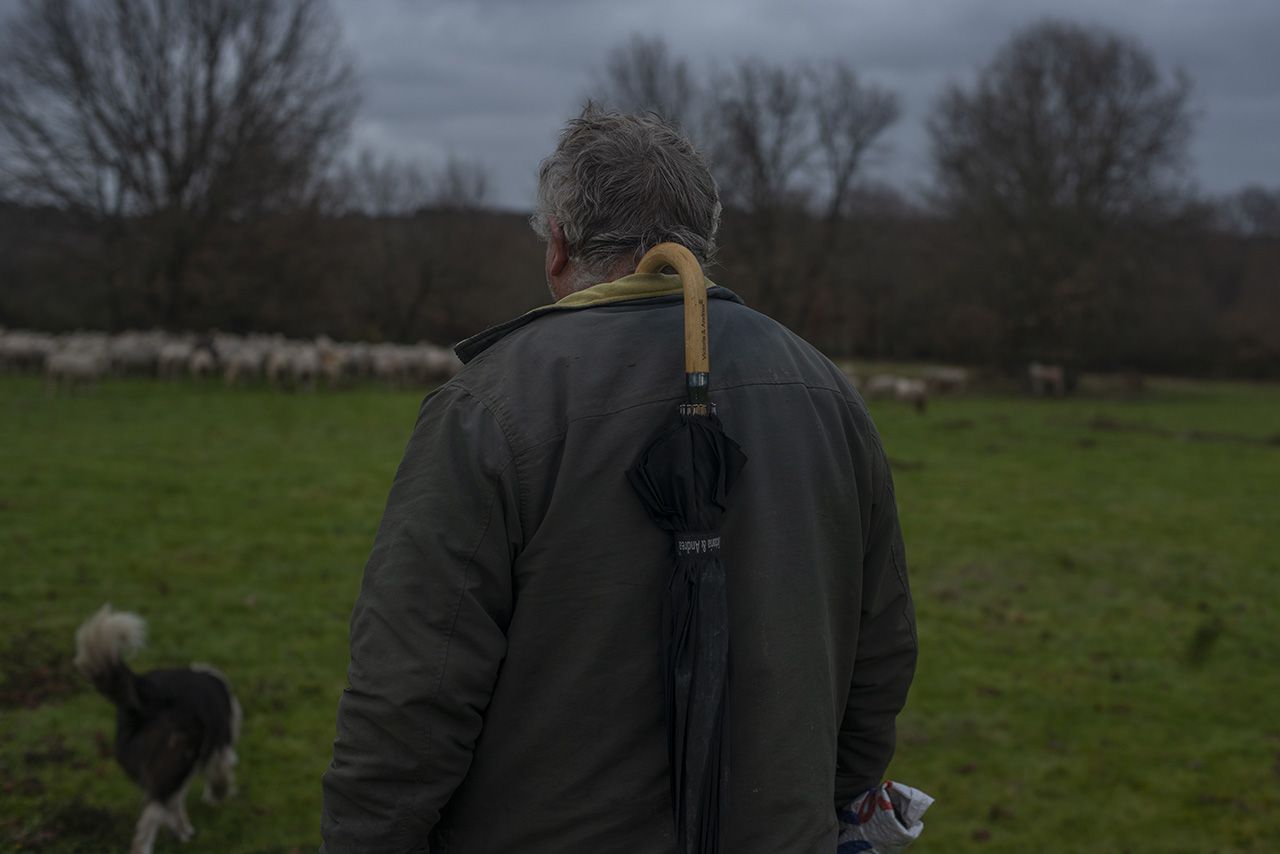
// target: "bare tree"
[[158, 121], [461, 185], [1065, 117], [416, 228], [394, 267], [643, 75], [790, 145], [763, 139], [850, 118], [1071, 134], [382, 186], [760, 146], [1253, 212], [390, 187]]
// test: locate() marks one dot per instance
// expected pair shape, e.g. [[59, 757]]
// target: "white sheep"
[[75, 366], [304, 366], [25, 351], [882, 385], [285, 363], [1046, 379], [243, 364], [912, 391], [135, 353], [202, 363], [292, 365], [389, 364], [947, 380], [173, 358]]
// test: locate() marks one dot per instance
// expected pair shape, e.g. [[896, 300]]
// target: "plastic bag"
[[883, 820]]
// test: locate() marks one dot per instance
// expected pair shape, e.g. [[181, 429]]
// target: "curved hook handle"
[[697, 354]]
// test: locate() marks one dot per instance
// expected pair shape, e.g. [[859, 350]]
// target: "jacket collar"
[[646, 288]]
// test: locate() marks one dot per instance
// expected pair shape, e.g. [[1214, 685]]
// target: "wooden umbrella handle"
[[697, 355]]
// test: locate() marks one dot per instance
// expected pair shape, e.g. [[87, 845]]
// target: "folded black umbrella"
[[683, 479]]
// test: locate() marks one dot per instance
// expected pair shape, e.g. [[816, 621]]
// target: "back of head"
[[619, 184]]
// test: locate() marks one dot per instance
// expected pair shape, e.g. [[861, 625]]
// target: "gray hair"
[[620, 184]]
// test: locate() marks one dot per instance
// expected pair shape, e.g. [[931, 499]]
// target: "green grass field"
[[1097, 585]]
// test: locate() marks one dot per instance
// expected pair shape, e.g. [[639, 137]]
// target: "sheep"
[[284, 363], [912, 391], [333, 361], [75, 366], [275, 366], [243, 364], [443, 363], [291, 365], [173, 358], [882, 385], [359, 361], [25, 351], [304, 367], [1046, 379], [202, 363], [389, 364], [425, 363], [135, 353], [947, 380], [85, 341]]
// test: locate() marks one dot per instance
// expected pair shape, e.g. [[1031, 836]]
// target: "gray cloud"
[[494, 80]]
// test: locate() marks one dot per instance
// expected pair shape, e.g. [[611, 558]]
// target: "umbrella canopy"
[[683, 479]]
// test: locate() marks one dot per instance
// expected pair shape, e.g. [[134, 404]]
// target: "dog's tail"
[[102, 644]]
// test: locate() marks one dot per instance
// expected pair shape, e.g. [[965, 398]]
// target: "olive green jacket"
[[505, 690]]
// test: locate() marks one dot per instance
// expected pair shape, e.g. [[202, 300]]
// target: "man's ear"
[[557, 250]]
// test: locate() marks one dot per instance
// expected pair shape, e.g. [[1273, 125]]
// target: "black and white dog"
[[170, 724]]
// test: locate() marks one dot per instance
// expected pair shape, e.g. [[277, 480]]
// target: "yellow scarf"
[[635, 286]]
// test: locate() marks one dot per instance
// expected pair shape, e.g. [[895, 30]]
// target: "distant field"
[[1097, 586]]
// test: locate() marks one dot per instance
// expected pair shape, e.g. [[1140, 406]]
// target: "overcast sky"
[[493, 80]]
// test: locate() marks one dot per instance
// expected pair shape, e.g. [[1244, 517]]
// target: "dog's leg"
[[179, 823], [220, 782], [153, 816]]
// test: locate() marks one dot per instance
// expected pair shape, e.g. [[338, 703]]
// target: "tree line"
[[1059, 225], [186, 166]]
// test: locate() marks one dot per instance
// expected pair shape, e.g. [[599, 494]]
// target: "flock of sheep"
[[914, 390], [80, 358]]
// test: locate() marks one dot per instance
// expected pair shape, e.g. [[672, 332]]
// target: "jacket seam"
[[882, 488], [462, 589], [674, 399], [457, 607], [466, 572], [906, 592], [512, 454], [886, 489]]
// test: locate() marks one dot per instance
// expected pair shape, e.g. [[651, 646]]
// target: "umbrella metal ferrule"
[[698, 384]]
